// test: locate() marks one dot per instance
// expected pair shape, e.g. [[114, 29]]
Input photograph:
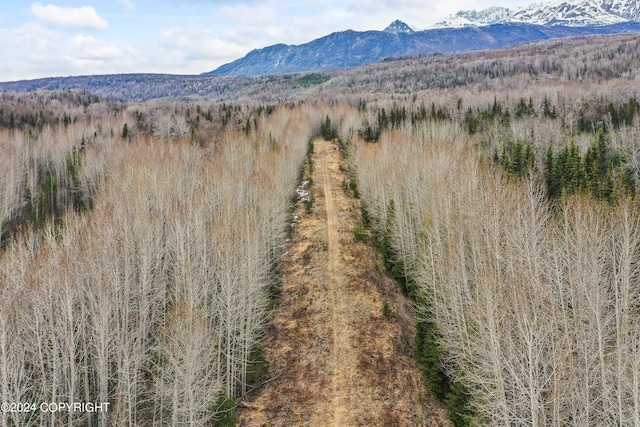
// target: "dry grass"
[[336, 359]]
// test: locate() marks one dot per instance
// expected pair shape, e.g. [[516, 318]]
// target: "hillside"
[[464, 240], [550, 60], [352, 48], [462, 32]]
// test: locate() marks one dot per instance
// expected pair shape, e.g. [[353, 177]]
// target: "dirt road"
[[336, 359]]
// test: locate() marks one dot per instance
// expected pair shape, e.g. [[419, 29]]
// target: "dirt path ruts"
[[336, 360], [342, 349]]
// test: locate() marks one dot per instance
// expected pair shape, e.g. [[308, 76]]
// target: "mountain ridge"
[[572, 13], [399, 75], [464, 31], [352, 48]]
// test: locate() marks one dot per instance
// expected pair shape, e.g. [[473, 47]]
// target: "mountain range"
[[571, 13], [464, 31]]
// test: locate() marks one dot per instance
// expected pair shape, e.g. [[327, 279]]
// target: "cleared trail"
[[336, 360]]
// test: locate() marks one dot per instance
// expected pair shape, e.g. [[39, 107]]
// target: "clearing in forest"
[[337, 357]]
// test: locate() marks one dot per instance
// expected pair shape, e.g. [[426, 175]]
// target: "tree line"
[[528, 301], [153, 297]]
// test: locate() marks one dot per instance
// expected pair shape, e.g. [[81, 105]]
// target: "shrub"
[[225, 409]]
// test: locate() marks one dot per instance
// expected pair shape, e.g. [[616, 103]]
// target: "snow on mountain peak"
[[398, 26], [574, 13], [464, 18]]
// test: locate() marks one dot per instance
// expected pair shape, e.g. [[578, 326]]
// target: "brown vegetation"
[[338, 358], [142, 244], [155, 297], [535, 307]]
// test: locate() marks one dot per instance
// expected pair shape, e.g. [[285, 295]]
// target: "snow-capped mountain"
[[466, 18], [627, 9], [352, 48], [464, 31], [398, 26], [572, 13]]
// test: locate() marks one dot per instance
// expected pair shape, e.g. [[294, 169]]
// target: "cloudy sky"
[[78, 37]]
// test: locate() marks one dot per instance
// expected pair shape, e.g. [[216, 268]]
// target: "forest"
[[141, 241]]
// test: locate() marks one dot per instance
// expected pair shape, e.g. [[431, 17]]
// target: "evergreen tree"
[[549, 174], [383, 121], [548, 110], [428, 354], [471, 122], [325, 129], [629, 111], [613, 115]]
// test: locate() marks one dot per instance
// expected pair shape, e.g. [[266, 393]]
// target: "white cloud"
[[197, 44], [34, 51], [84, 17], [88, 48], [260, 26], [30, 51], [129, 4], [190, 36]]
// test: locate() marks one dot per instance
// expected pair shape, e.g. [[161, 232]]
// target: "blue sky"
[[78, 37]]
